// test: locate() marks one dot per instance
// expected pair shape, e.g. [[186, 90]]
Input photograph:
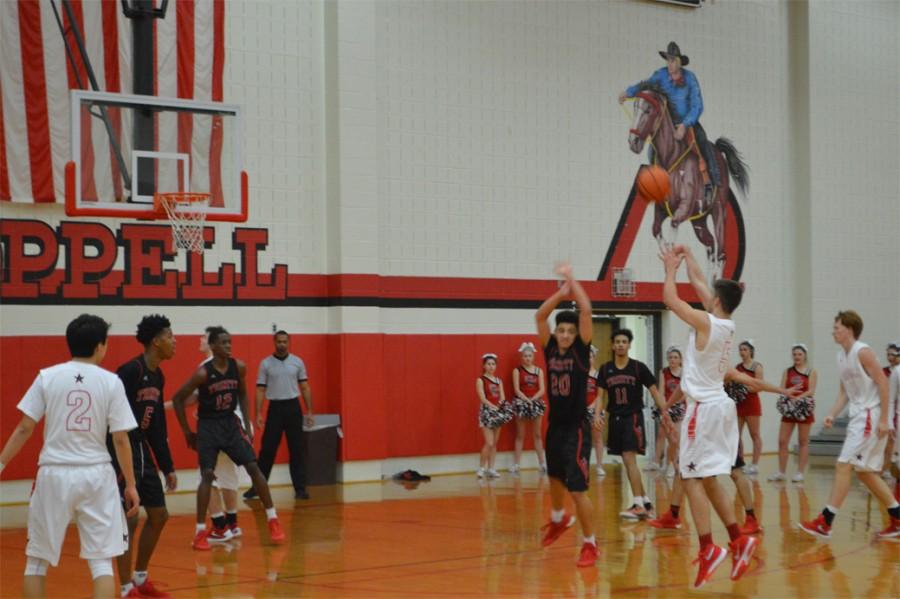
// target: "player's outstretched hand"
[[883, 429], [564, 270], [828, 422], [171, 482], [191, 439], [132, 501], [670, 259], [309, 421]]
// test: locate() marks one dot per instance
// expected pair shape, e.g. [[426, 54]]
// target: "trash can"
[[320, 449]]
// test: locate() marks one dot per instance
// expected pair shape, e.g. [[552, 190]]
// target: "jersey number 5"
[[80, 402]]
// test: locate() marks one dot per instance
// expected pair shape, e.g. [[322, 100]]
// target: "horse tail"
[[736, 165]]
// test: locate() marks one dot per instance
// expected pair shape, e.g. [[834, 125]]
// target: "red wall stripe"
[[184, 14], [218, 68], [4, 170], [398, 395], [88, 185], [35, 90], [109, 12]]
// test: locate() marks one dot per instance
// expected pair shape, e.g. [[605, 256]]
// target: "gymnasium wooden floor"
[[454, 537]]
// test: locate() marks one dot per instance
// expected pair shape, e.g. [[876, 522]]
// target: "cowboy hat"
[[672, 51]]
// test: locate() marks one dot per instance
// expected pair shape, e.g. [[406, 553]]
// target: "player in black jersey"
[[568, 355], [622, 381], [221, 383], [144, 381]]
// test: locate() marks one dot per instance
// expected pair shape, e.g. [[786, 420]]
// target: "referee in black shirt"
[[282, 380]]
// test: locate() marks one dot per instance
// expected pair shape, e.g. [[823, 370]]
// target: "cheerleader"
[[671, 380], [797, 412], [494, 413], [528, 404], [749, 410], [592, 397]]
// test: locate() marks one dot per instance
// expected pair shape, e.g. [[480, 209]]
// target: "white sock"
[[831, 508], [217, 515], [896, 504], [270, 513], [126, 588], [591, 539], [557, 515], [201, 527], [139, 578]]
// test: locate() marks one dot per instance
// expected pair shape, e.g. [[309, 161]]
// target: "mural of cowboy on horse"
[[667, 112]]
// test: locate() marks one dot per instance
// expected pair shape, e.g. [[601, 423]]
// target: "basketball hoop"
[[185, 212], [622, 283]]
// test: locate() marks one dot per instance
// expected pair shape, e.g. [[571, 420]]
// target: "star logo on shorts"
[[79, 378], [859, 457], [692, 467], [125, 538]]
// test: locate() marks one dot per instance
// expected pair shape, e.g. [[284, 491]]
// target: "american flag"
[[35, 79]]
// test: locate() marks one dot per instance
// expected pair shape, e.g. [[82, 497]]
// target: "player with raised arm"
[[567, 351], [708, 443]]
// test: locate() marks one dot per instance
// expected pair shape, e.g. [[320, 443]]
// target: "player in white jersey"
[[865, 388], [709, 431], [79, 401]]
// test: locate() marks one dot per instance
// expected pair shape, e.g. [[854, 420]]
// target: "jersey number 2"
[[80, 402]]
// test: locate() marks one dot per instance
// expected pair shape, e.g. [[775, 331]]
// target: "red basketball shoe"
[[275, 531], [588, 555], [200, 543], [892, 531], [556, 529], [709, 560], [741, 551], [667, 520], [751, 526], [817, 527], [148, 590]]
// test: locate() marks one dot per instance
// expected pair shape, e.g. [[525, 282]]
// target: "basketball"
[[653, 183]]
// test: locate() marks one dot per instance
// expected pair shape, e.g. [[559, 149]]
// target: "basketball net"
[[186, 214]]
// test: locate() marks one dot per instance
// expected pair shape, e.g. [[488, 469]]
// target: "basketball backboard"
[[127, 147]]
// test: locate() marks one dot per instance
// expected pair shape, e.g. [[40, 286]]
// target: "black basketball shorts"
[[568, 450], [226, 435], [626, 433]]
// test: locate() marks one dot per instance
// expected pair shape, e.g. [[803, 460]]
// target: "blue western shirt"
[[685, 98]]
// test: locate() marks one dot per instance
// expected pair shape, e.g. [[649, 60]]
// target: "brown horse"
[[686, 202]]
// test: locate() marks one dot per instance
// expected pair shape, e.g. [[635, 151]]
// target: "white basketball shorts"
[[90, 495], [229, 475], [862, 448], [709, 438]]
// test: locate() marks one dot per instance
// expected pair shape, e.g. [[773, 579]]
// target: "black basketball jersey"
[[144, 390], [567, 375], [219, 397], [625, 387]]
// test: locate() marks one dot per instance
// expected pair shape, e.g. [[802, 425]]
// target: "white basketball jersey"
[[80, 403], [862, 393], [894, 395], [704, 371]]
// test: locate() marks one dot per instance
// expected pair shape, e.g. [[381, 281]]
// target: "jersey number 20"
[[560, 384]]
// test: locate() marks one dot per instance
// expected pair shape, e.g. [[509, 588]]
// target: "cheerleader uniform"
[[751, 406], [489, 417], [529, 384], [794, 377], [670, 383]]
